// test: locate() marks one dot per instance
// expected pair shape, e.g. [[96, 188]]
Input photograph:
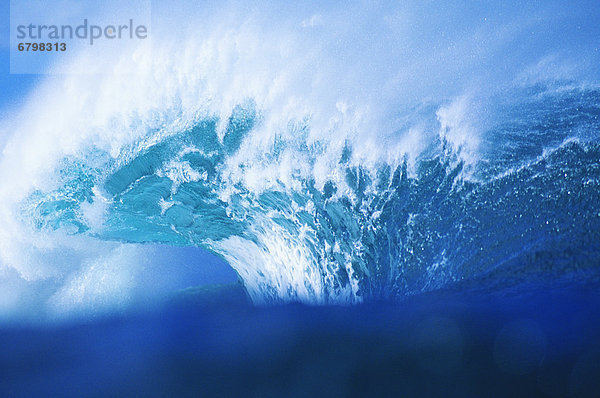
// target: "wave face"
[[312, 194], [365, 231]]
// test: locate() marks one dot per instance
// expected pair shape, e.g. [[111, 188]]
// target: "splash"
[[321, 167]]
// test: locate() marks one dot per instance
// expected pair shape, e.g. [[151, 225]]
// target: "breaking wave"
[[322, 172]]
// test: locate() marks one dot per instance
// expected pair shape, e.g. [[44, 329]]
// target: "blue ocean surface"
[[373, 200]]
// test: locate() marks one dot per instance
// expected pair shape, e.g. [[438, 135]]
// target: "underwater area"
[[532, 341]]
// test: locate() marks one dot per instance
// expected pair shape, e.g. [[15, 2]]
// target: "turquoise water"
[[528, 209]]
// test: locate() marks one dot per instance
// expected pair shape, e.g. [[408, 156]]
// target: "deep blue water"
[[534, 340]]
